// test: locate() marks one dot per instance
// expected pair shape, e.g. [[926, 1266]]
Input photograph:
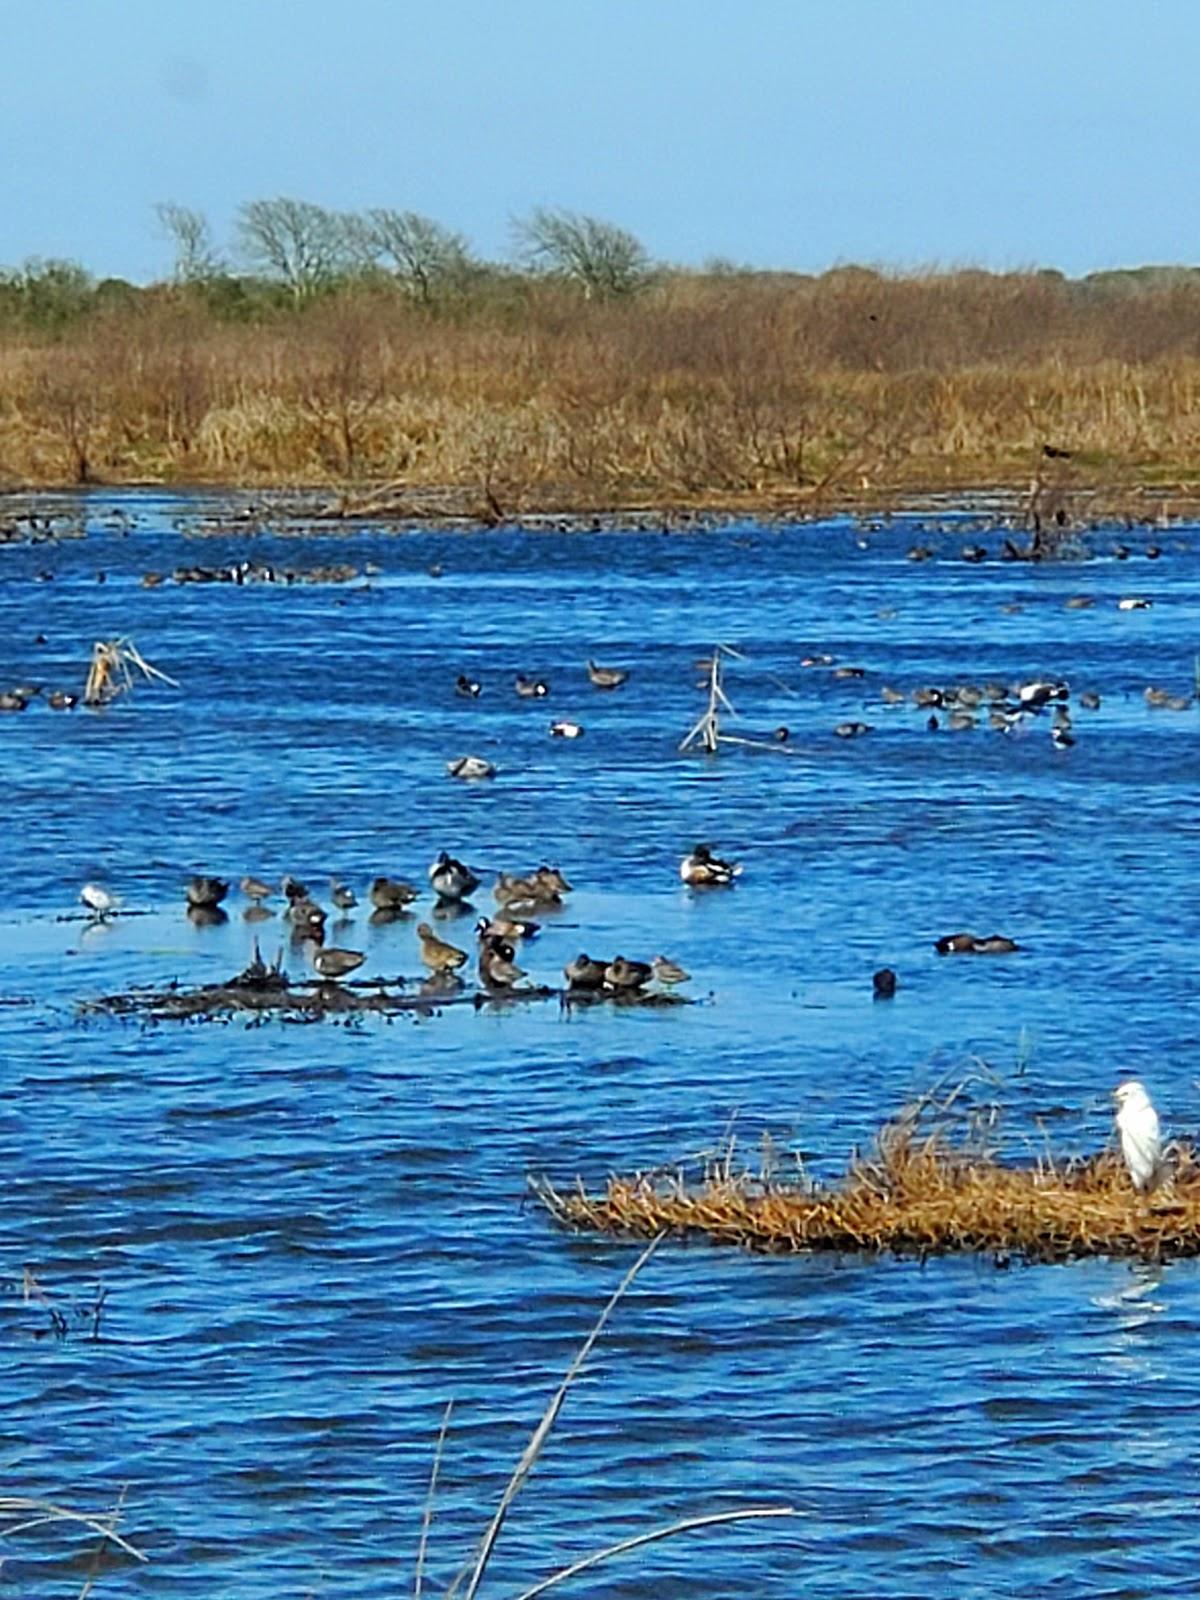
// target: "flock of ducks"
[[519, 897], [19, 696], [526, 688]]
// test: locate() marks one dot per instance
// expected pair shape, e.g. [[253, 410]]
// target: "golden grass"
[[914, 1194], [782, 394]]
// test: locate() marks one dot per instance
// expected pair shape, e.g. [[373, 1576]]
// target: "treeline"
[[377, 346]]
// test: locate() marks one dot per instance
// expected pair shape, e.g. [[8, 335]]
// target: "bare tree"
[[300, 244], [196, 257], [425, 256], [603, 259]]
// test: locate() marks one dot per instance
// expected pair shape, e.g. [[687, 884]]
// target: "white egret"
[[1141, 1139]]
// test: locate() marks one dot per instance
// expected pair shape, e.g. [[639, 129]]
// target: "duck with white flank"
[[704, 870], [470, 767], [343, 897], [468, 688], [531, 688], [565, 730], [452, 880], [497, 963]]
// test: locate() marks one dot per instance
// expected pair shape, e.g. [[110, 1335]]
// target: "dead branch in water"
[[113, 664]]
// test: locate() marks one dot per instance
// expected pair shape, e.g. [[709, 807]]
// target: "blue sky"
[[787, 133]]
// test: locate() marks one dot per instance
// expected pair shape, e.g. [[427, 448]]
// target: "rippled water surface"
[[312, 1237]]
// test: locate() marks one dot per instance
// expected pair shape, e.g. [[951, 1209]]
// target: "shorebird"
[[99, 901], [704, 870], [606, 677], [1141, 1139], [437, 955]]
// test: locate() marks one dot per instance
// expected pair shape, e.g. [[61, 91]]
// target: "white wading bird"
[[1141, 1140]]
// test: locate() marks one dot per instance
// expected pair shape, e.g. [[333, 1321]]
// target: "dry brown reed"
[[776, 391], [917, 1192]]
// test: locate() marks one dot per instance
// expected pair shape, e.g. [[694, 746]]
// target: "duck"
[[100, 901], [470, 767], [1134, 603], [509, 928], [928, 697], [883, 984], [1089, 700], [550, 883], [850, 672], [1033, 696], [451, 880], [606, 677], [256, 889], [293, 889], [531, 688], [335, 963], [668, 973], [497, 964], [467, 687], [960, 721], [890, 696], [437, 954], [852, 730], [10, 700], [781, 734], [60, 700], [565, 730], [627, 976], [206, 893], [584, 973], [307, 919], [391, 894], [704, 870], [968, 944], [342, 895]]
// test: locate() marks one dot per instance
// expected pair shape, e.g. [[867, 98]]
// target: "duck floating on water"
[[467, 687], [668, 973], [565, 730], [100, 901], [606, 677], [969, 944], [470, 767], [391, 894], [531, 688], [335, 963], [704, 870]]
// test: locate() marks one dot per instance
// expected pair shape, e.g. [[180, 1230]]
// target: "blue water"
[[312, 1238]]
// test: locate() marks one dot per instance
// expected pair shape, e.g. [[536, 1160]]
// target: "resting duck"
[[343, 897], [467, 687], [703, 869], [968, 944], [206, 893], [627, 976], [497, 964], [256, 889], [437, 955], [565, 730], [335, 963], [391, 894], [531, 688], [451, 880], [668, 973], [584, 973]]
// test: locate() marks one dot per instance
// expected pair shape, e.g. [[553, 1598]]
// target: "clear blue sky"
[[790, 133]]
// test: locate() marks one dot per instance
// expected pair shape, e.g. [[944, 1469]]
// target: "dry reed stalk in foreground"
[[477, 1564], [913, 1194], [19, 1514]]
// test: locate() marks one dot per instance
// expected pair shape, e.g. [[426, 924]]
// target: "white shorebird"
[[1141, 1140], [98, 900]]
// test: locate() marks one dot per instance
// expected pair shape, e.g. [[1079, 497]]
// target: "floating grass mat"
[[916, 1193], [263, 992]]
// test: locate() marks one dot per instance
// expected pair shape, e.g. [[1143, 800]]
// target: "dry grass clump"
[[917, 1192]]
